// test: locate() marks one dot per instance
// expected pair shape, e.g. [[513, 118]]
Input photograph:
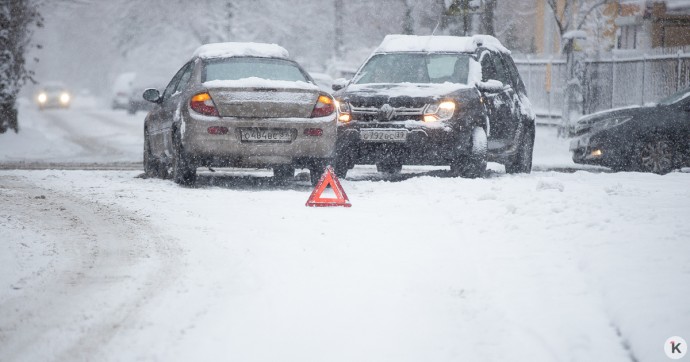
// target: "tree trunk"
[[488, 17], [8, 117]]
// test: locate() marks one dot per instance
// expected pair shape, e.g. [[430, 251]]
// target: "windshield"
[[415, 68], [240, 68], [673, 98]]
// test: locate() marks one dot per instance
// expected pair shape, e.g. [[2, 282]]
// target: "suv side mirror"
[[339, 84], [491, 85], [152, 95]]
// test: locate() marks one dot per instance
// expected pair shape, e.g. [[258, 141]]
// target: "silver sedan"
[[239, 105]]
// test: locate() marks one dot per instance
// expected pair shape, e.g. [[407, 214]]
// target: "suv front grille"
[[391, 114]]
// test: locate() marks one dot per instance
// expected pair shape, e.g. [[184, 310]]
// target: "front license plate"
[[265, 135], [383, 135]]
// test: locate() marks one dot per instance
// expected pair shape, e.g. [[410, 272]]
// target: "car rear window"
[[247, 67], [415, 68]]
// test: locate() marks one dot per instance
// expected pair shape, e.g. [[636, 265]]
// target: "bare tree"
[[17, 20], [573, 14]]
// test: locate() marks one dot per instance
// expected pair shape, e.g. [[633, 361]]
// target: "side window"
[[488, 68], [170, 89], [185, 78], [502, 72], [514, 74]]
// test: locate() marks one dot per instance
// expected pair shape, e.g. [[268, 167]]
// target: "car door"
[[499, 102], [161, 117], [176, 99]]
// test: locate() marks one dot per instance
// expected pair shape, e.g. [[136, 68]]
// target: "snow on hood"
[[222, 50], [255, 82], [443, 43], [419, 90]]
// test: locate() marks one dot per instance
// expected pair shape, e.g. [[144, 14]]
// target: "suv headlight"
[[439, 112], [344, 112]]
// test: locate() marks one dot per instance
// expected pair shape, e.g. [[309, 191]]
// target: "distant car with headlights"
[[53, 95], [239, 105], [435, 100], [653, 138]]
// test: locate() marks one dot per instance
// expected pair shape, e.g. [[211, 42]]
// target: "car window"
[[170, 89], [415, 68], [683, 95], [488, 68], [514, 74], [502, 72], [185, 78], [248, 67]]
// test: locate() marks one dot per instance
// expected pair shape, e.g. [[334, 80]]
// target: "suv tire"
[[521, 162], [474, 164]]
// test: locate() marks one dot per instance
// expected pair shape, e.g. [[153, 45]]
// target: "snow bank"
[[231, 49], [445, 43], [255, 82]]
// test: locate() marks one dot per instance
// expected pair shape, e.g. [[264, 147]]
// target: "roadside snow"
[[583, 266]]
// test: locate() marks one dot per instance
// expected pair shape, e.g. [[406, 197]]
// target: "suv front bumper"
[[435, 145]]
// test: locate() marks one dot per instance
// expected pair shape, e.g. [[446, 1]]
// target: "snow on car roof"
[[255, 82], [232, 49], [442, 43]]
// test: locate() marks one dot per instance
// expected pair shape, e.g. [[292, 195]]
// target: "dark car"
[[435, 100], [53, 95], [653, 138], [239, 105]]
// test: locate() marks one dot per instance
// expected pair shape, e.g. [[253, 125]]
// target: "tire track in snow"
[[106, 266]]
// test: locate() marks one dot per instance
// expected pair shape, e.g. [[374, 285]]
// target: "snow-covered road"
[[552, 266]]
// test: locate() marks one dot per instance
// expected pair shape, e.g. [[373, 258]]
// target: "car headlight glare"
[[64, 98], [439, 112], [344, 113], [42, 98]]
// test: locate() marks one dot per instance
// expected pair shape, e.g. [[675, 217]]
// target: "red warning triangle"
[[328, 179]]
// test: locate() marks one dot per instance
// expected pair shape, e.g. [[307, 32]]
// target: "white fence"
[[609, 83]]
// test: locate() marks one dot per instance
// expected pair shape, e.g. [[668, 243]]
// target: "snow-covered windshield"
[[248, 67], [673, 98], [415, 68]]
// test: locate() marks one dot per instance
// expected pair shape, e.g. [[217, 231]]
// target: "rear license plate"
[[383, 135], [265, 135]]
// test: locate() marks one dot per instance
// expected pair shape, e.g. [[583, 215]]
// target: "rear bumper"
[[228, 149]]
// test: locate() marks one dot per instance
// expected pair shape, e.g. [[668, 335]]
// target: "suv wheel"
[[184, 171], [283, 172], [474, 164], [521, 162]]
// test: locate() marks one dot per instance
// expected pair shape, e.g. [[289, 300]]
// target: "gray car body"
[[172, 113]]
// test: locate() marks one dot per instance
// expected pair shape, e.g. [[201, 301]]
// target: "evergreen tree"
[[17, 20]]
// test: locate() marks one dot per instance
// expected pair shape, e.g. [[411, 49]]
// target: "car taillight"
[[324, 107], [203, 104], [314, 132]]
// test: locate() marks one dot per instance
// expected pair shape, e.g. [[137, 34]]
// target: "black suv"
[[435, 100]]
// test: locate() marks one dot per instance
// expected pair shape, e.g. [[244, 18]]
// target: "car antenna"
[[437, 24]]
